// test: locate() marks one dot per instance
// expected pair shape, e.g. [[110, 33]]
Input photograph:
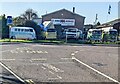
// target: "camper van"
[[22, 33], [51, 33], [94, 35], [110, 34]]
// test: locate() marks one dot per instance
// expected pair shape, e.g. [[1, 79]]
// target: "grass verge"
[[56, 41]]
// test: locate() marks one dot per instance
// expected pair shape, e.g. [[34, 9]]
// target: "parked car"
[[73, 33]]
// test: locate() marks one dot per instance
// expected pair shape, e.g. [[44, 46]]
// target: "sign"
[[9, 20], [64, 22]]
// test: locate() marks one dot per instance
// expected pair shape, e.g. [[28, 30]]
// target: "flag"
[[109, 10], [96, 17]]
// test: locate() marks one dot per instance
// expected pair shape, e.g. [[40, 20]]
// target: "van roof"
[[112, 30], [94, 29], [23, 27]]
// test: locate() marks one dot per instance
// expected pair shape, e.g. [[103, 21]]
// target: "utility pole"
[[96, 19]]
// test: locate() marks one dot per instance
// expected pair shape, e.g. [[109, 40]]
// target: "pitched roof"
[[63, 10]]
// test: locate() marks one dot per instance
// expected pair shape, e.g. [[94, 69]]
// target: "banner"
[[64, 22]]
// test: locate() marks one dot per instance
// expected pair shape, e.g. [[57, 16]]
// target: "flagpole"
[[107, 18]]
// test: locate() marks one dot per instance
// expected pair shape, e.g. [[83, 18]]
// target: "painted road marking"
[[43, 67], [53, 67], [33, 51], [39, 59], [7, 59], [45, 52], [5, 51], [59, 77], [29, 81], [73, 54], [19, 78], [63, 62], [66, 58], [13, 51], [56, 78], [51, 72], [76, 52], [39, 51], [53, 78], [110, 78]]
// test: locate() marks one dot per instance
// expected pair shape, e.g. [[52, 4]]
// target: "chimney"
[[73, 9]]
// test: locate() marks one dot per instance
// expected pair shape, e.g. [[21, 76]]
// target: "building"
[[114, 23], [65, 18]]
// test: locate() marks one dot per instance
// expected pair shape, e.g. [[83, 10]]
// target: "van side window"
[[22, 30], [15, 29], [18, 29], [26, 30], [31, 30]]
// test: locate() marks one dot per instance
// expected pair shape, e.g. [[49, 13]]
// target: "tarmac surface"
[[55, 63]]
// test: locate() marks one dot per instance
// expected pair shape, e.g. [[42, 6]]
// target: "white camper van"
[[22, 33]]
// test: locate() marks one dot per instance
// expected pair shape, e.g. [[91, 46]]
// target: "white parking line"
[[39, 59], [3, 65], [66, 58], [7, 59], [110, 78]]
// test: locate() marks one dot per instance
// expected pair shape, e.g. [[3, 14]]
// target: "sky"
[[86, 9]]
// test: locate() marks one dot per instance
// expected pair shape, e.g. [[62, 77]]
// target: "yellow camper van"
[[51, 33]]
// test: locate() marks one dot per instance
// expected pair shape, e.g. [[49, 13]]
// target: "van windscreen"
[[51, 30]]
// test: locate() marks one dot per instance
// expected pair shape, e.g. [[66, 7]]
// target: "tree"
[[5, 28], [98, 23], [29, 14]]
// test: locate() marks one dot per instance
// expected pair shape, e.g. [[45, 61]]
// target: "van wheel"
[[13, 37]]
